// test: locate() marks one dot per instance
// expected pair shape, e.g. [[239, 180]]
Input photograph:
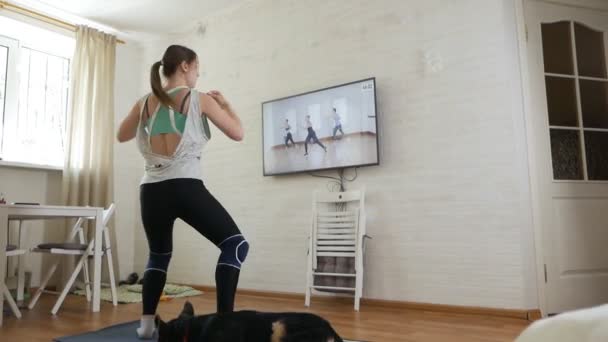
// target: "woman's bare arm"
[[128, 126], [219, 111]]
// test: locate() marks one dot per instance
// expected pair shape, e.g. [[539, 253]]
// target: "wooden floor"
[[370, 324], [352, 149]]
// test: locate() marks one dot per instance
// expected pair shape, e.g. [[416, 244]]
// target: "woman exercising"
[[312, 136], [337, 124], [288, 136], [170, 128]]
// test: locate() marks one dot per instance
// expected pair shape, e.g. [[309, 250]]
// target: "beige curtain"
[[88, 167]]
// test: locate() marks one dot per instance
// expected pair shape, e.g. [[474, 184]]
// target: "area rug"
[[132, 293], [124, 332]]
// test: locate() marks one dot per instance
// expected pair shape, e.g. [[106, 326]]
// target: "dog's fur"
[[245, 326], [584, 325]]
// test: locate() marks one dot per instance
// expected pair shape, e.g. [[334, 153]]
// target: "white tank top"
[[186, 160]]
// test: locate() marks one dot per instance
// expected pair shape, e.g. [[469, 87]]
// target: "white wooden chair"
[[82, 249], [6, 295], [338, 230], [18, 251]]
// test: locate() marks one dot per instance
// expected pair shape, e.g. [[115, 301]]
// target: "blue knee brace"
[[234, 251], [158, 262]]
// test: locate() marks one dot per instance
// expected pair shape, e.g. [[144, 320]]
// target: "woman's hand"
[[219, 98], [219, 111]]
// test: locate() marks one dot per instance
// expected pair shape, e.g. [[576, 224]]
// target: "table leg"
[[3, 232], [97, 261], [21, 261]]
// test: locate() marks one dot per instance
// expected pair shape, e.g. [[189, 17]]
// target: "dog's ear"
[[188, 310]]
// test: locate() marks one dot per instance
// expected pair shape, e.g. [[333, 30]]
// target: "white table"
[[44, 212]]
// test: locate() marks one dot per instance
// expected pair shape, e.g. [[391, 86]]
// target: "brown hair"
[[172, 59]]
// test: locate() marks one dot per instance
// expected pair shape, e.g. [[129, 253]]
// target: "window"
[[34, 85], [3, 69], [576, 83], [7, 83]]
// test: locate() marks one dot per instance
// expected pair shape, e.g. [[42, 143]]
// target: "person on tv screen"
[[288, 136], [337, 124], [311, 137]]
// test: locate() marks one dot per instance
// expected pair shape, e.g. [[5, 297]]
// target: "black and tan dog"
[[246, 326]]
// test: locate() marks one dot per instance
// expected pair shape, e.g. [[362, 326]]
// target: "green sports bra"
[[162, 120]]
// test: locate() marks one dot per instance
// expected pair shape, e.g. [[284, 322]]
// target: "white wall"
[[127, 165], [449, 207]]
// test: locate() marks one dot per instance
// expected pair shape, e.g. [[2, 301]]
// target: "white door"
[[567, 55]]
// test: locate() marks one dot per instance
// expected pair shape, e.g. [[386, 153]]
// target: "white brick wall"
[[127, 160], [449, 207]]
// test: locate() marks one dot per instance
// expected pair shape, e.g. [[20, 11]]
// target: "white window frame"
[[12, 100], [11, 96]]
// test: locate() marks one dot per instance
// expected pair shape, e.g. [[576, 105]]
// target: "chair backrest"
[[107, 214], [336, 233], [77, 227], [338, 224]]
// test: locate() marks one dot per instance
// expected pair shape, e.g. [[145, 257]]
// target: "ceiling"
[[133, 18]]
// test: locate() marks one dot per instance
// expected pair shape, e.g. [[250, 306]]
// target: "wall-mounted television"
[[330, 128]]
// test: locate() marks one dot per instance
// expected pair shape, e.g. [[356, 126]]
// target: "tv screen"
[[330, 128]]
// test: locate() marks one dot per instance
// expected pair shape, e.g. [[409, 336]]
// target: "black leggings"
[[289, 138], [312, 137], [188, 199]]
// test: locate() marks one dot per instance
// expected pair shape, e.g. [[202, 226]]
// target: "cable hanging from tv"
[[337, 183]]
